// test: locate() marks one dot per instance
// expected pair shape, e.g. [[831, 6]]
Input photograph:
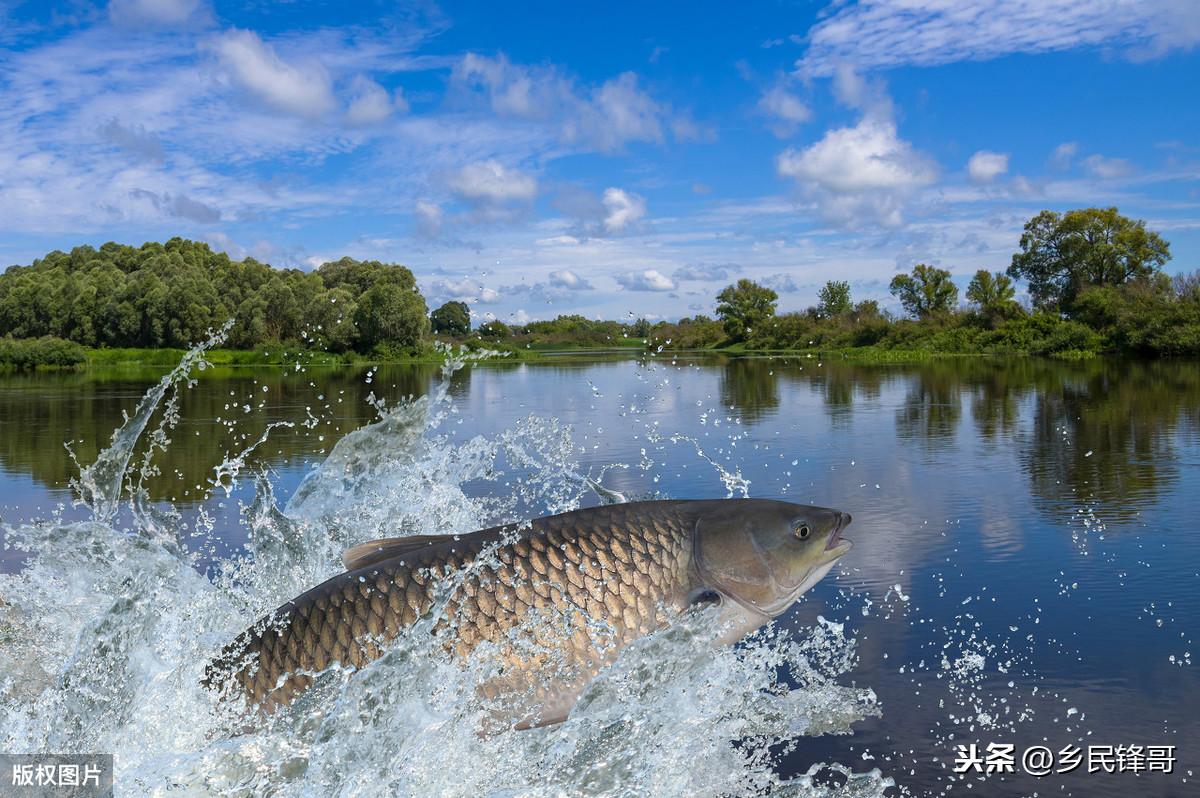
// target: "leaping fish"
[[633, 566]]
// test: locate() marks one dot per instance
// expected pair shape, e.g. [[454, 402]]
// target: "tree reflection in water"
[[1097, 431]]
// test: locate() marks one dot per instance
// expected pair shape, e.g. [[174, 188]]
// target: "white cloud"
[[464, 290], [303, 89], [1108, 168], [153, 12], [623, 209], [1063, 155], [787, 110], [706, 271], [520, 316], [613, 212], [619, 112], [371, 103], [860, 173], [427, 217], [491, 183], [984, 166], [605, 117], [565, 278], [889, 33], [781, 283], [647, 280]]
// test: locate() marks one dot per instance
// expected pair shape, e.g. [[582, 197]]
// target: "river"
[[1026, 569]]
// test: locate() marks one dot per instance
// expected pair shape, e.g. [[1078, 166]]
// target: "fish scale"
[[625, 564]]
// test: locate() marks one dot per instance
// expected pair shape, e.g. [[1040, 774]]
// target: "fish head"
[[765, 554]]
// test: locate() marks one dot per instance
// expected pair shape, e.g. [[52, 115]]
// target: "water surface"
[[1026, 570]]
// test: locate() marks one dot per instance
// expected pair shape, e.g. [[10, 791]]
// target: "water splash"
[[105, 632]]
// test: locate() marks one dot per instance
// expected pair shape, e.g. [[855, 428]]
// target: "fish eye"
[[802, 531]]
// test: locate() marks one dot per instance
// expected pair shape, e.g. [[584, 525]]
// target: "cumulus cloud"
[[491, 183], [562, 285], [781, 283], [984, 166], [370, 103], [303, 89], [1108, 168], [647, 280], [785, 109], [605, 117], [463, 290], [623, 209], [859, 174], [614, 212], [890, 33], [705, 272], [155, 12], [565, 278]]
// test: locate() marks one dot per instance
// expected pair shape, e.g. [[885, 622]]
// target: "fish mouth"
[[837, 545]]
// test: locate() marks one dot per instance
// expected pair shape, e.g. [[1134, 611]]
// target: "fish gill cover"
[[106, 630]]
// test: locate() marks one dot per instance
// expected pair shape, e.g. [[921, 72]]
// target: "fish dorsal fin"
[[374, 551]]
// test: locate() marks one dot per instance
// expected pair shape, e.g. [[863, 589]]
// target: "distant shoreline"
[[96, 358]]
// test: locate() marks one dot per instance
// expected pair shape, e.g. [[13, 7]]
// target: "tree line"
[[1094, 278], [172, 294]]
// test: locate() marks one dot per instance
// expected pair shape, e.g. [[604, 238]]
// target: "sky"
[[615, 160]]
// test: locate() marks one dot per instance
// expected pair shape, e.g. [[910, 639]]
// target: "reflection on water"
[[41, 412], [1026, 562], [1100, 430]]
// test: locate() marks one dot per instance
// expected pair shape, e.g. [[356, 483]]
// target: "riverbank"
[[86, 358]]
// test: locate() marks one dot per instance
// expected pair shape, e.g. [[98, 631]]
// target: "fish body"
[[558, 598]]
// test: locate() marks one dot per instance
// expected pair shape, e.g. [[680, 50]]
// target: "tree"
[[744, 306], [640, 328], [834, 299], [994, 295], [925, 293], [172, 293], [494, 330], [452, 318], [867, 309], [390, 314], [1061, 254]]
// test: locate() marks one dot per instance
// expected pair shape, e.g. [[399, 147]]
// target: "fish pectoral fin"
[[374, 551]]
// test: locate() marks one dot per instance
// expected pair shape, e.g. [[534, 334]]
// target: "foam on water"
[[104, 635]]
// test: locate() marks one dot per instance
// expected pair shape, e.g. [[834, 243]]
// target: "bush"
[[44, 352]]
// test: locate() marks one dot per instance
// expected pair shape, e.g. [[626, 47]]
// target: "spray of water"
[[105, 632]]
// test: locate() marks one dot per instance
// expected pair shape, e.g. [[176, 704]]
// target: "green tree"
[[452, 318], [390, 314], [834, 299], [744, 306], [640, 328], [925, 293], [994, 295], [494, 330], [1062, 254]]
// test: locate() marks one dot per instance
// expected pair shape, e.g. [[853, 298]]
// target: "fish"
[[616, 573]]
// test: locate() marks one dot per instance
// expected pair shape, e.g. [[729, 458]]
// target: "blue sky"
[[607, 159]]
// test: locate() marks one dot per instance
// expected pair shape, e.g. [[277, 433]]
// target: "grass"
[[858, 354], [286, 356]]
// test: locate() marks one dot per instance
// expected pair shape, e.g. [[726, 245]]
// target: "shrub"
[[47, 351]]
